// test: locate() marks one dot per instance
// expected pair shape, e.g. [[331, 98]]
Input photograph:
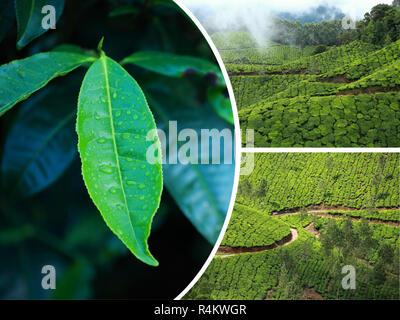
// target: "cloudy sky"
[[353, 8]]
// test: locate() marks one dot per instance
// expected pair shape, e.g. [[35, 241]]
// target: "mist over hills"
[[317, 14], [222, 19]]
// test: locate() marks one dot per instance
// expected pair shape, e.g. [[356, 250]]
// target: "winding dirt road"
[[225, 252], [325, 213]]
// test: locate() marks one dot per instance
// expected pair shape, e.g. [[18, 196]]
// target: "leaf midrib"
[[104, 64]]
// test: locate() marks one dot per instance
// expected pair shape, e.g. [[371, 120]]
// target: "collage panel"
[[311, 73], [311, 226], [117, 149]]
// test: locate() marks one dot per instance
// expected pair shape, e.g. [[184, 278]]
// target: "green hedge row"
[[265, 230], [366, 120], [252, 89], [296, 180]]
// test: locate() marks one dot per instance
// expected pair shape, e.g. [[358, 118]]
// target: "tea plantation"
[[345, 209], [347, 96]]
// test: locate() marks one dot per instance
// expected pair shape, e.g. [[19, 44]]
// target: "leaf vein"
[[104, 63]]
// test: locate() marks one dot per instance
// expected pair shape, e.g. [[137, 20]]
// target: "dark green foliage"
[[51, 219], [52, 145], [386, 254], [370, 214], [381, 25], [320, 49], [329, 33], [379, 274]]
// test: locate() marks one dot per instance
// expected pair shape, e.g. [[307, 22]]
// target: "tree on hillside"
[[326, 33], [324, 181], [290, 286], [380, 26], [287, 259], [260, 189], [379, 12], [303, 214], [379, 273], [320, 49], [289, 281], [365, 234], [307, 250], [385, 260], [245, 187], [350, 239], [386, 253], [331, 237], [396, 262]]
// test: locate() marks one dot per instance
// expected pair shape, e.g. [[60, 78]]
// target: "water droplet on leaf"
[[106, 169]]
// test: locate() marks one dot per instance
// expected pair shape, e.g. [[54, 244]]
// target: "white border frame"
[[238, 146], [321, 150]]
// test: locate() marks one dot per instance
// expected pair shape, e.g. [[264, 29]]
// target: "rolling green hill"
[[347, 96]]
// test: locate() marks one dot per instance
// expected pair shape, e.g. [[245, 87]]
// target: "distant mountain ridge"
[[314, 15]]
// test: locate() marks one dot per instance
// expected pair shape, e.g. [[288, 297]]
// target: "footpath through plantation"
[[299, 219], [292, 96]]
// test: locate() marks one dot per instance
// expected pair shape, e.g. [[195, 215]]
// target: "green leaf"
[[20, 78], [41, 144], [113, 121], [219, 98], [175, 65], [6, 16], [29, 18], [204, 190]]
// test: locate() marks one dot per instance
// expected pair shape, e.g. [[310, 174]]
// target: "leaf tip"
[[154, 263], [148, 259]]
